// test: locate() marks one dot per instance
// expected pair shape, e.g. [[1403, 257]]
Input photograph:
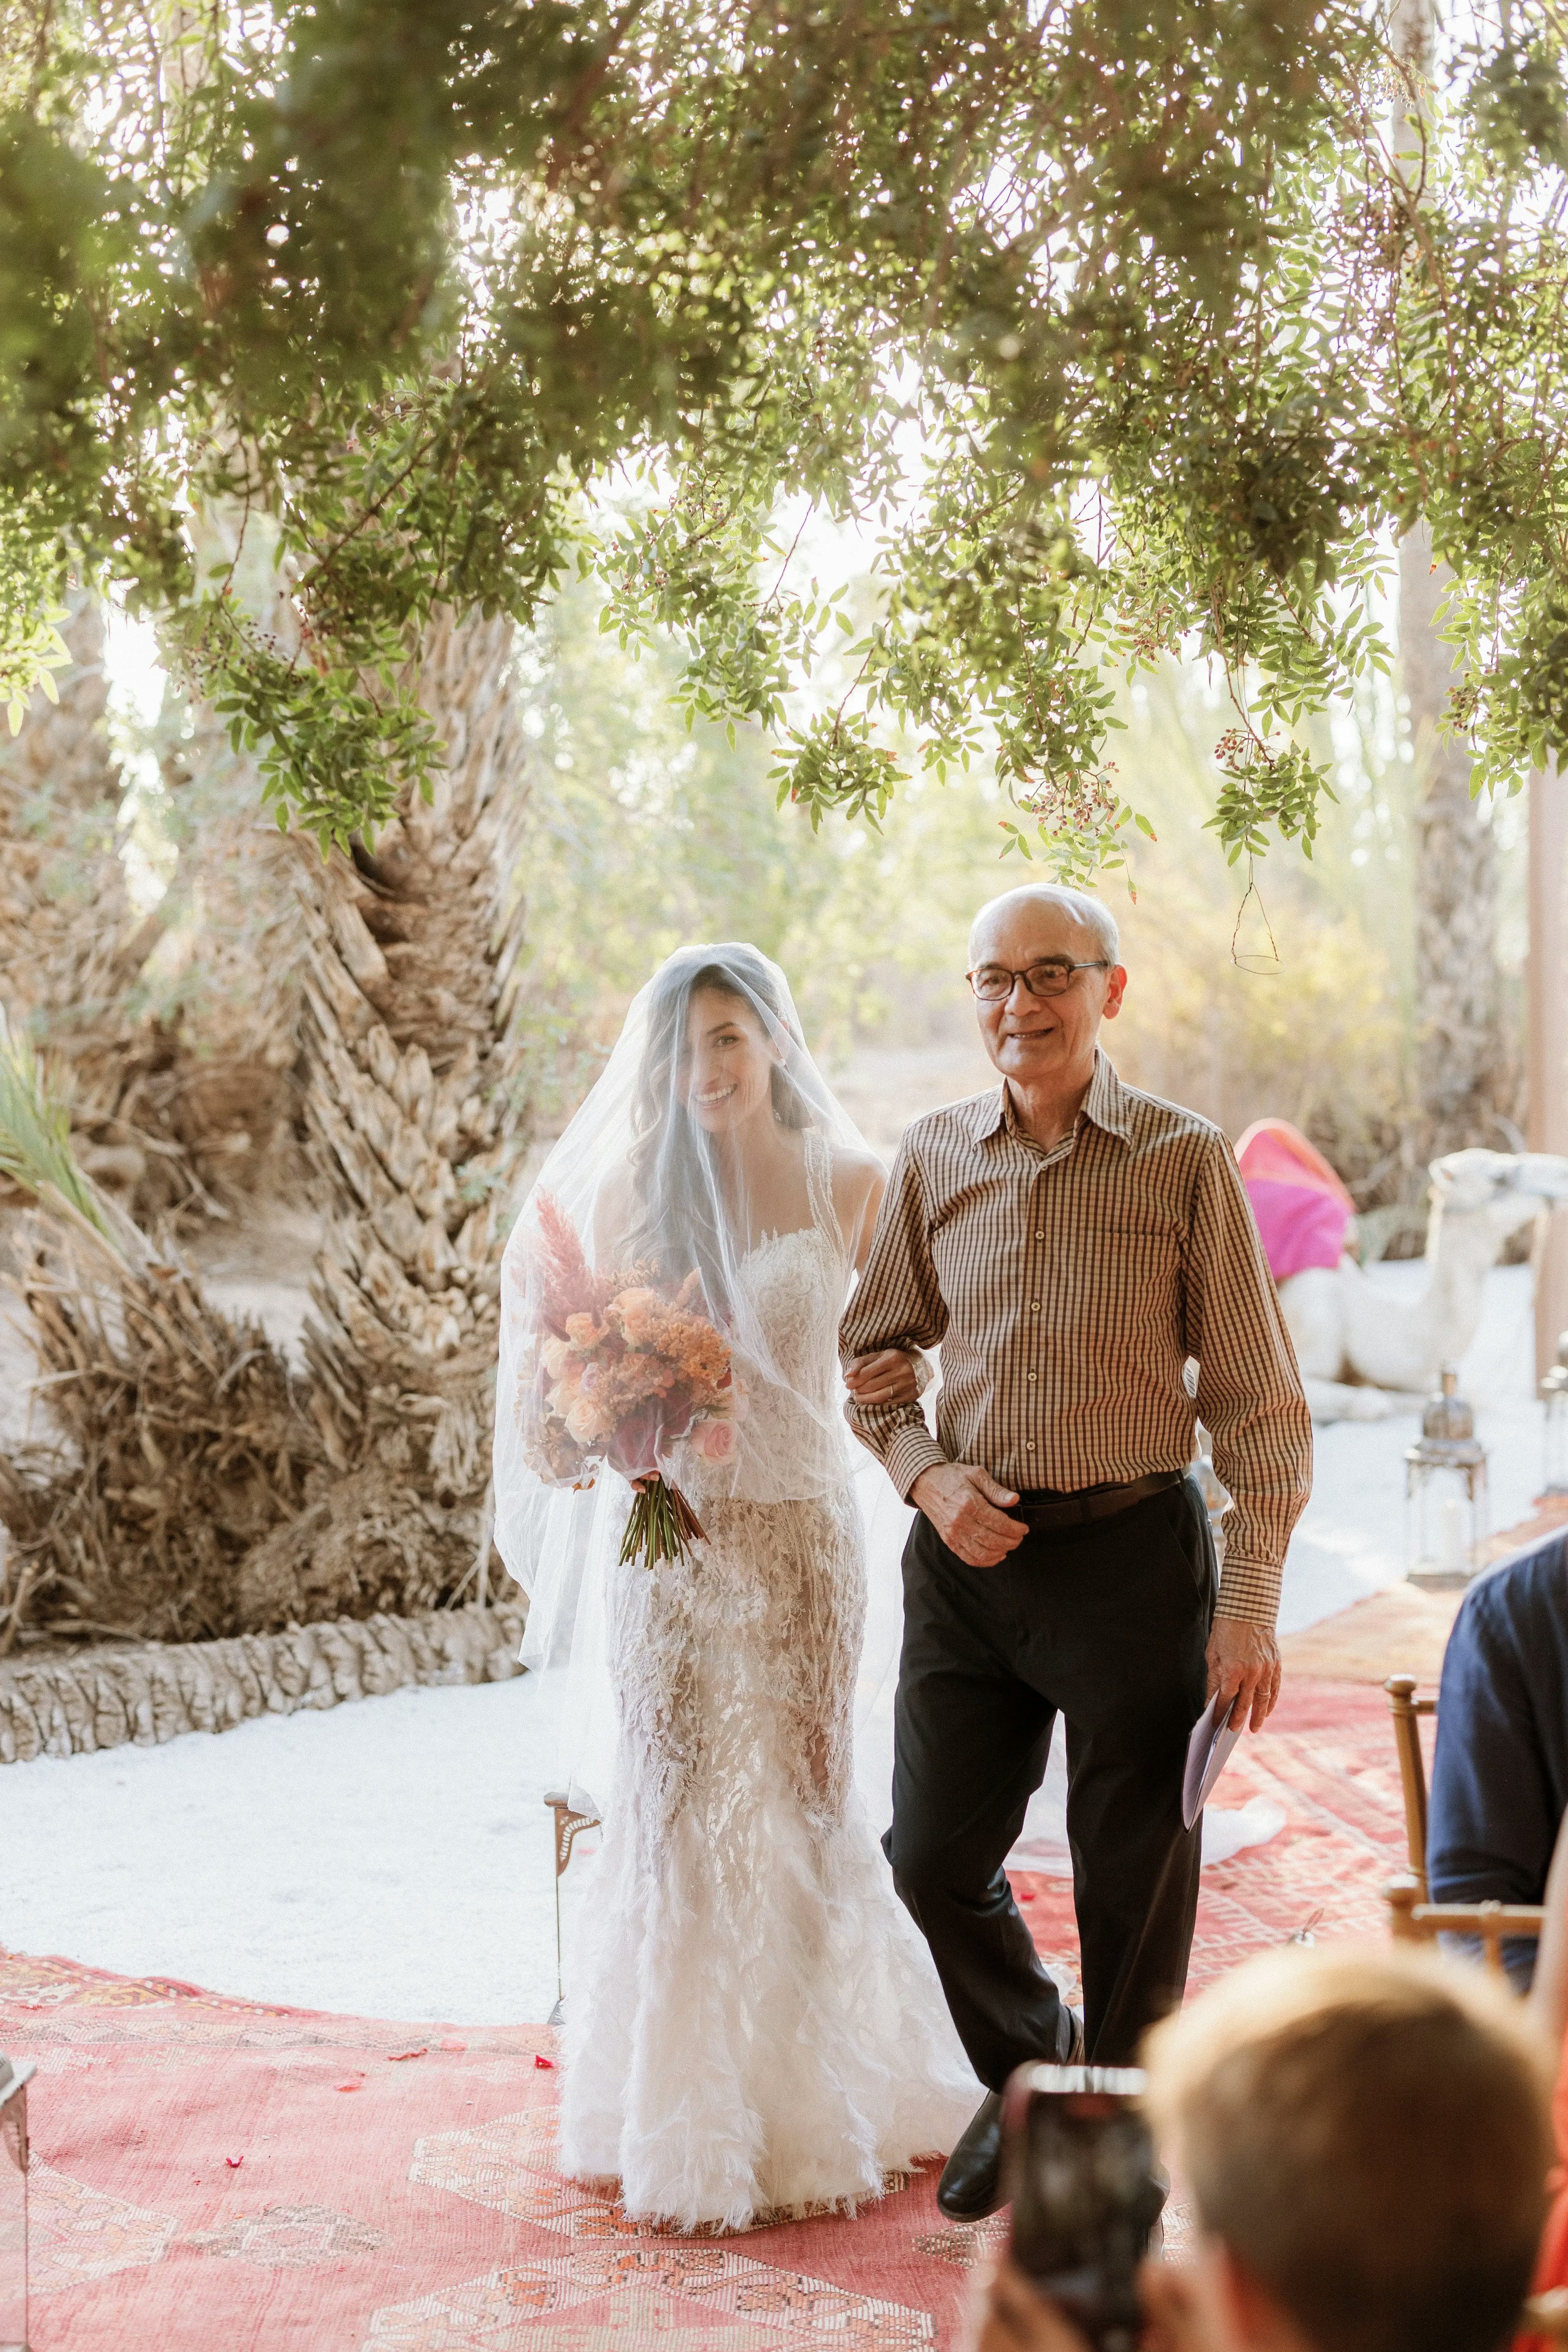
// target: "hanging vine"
[[1125, 331]]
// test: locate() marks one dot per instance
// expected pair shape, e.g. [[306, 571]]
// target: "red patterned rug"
[[210, 2172], [215, 2173]]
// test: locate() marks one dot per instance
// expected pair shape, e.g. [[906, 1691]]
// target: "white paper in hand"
[[1208, 1751]]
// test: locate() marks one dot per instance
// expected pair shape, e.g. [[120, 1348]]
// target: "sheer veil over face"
[[708, 1157]]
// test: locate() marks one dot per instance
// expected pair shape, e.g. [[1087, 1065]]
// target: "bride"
[[753, 2026]]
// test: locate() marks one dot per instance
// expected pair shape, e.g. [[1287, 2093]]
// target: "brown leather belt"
[[1091, 1502]]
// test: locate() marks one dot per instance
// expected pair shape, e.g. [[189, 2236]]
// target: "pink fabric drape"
[[1303, 1211]]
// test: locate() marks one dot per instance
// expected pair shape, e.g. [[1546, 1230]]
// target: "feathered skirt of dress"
[[753, 2025]]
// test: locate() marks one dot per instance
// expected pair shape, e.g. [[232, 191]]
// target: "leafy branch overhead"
[[1122, 329]]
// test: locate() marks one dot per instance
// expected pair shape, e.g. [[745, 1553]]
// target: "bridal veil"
[[653, 1197]]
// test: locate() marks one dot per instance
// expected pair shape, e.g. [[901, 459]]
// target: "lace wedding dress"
[[753, 2025]]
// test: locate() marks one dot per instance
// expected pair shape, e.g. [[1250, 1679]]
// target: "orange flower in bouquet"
[[625, 1370]]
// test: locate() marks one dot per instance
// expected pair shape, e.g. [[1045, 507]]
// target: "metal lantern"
[[1554, 1397], [15, 2074], [1446, 1491]]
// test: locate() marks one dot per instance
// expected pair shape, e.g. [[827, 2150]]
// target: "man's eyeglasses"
[[1052, 976]]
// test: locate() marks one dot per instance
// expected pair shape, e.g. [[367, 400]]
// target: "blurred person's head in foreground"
[[1364, 2140]]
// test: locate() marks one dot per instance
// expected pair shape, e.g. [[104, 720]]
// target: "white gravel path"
[[392, 1858]]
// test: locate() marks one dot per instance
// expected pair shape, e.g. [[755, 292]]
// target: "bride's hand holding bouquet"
[[626, 1369]]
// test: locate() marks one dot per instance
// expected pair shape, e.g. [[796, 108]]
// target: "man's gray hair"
[[1092, 912]]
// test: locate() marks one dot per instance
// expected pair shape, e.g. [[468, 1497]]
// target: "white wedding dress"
[[753, 2025]]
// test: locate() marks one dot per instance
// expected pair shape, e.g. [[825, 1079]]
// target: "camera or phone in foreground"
[[1078, 2166]]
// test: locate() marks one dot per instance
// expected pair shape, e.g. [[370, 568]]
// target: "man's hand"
[[1016, 2316], [1244, 1660], [886, 1378], [968, 1509], [1012, 2315]]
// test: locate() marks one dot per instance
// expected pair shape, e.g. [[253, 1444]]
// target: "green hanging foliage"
[[1122, 329]]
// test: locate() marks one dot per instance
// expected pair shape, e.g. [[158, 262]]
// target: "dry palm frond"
[[182, 1443], [181, 1440]]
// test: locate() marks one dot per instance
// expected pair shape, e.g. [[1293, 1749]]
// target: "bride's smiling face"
[[725, 1071]]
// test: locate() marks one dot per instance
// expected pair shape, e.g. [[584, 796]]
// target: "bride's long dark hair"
[[675, 1170]]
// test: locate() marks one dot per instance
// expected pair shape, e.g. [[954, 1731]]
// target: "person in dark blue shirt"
[[1499, 1779]]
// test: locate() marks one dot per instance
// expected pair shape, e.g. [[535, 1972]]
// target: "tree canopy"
[[1127, 330]]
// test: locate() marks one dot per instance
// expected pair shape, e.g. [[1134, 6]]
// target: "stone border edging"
[[67, 1705]]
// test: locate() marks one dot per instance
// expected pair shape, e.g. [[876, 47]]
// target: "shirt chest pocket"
[[1123, 1284]]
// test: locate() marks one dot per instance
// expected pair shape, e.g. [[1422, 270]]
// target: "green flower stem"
[[663, 1526]]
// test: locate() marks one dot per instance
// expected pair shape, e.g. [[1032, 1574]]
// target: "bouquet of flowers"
[[626, 1369]]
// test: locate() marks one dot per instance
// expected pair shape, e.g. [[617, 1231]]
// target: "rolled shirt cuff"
[[1250, 1591], [911, 1451]]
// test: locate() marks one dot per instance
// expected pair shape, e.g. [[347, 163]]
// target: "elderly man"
[[1070, 1243]]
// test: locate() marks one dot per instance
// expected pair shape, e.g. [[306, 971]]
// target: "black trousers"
[[1107, 1624]]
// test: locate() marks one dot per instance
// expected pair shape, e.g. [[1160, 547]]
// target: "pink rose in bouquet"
[[714, 1441], [625, 1370]]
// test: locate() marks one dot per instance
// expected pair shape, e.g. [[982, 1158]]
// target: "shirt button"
[[1029, 1446], [1039, 1233], [1033, 1376], [1034, 1306]]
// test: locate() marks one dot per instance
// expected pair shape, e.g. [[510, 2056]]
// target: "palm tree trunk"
[[181, 1074], [71, 944], [190, 1495], [1465, 1074], [230, 970], [410, 985], [1464, 1070]]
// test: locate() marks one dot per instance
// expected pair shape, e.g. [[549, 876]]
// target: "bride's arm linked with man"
[[1071, 1243]]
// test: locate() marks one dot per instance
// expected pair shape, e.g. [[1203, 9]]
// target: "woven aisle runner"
[[215, 2172]]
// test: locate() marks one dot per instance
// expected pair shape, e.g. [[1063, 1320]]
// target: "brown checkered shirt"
[[1067, 1290]]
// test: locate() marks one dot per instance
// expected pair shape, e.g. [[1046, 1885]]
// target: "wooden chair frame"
[[1413, 1917], [1412, 1921], [1408, 1710]]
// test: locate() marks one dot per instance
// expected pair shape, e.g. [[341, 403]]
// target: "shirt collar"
[[1106, 1104], [985, 1114]]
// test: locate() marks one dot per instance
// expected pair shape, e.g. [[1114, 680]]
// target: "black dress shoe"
[[969, 2187], [971, 2183]]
